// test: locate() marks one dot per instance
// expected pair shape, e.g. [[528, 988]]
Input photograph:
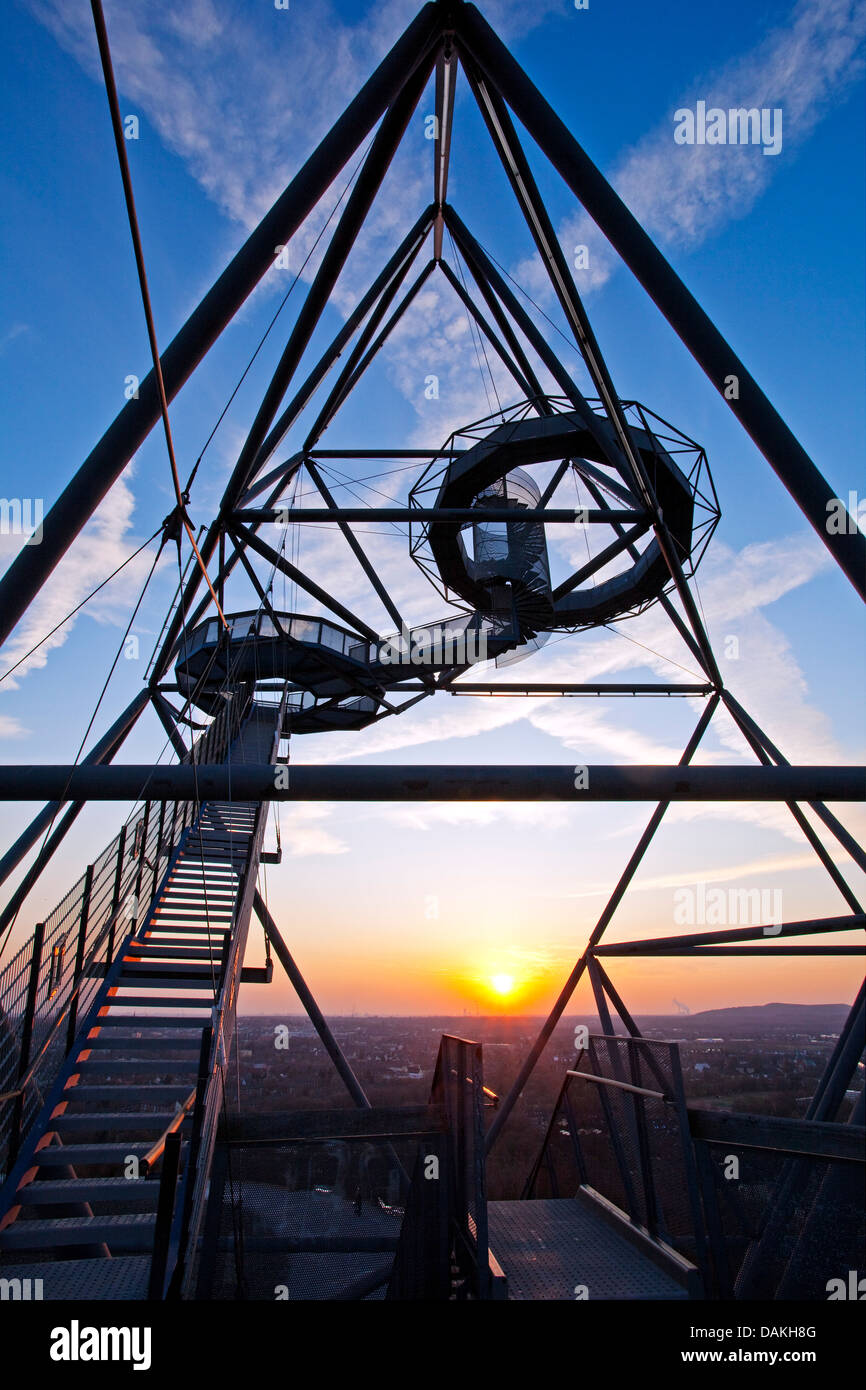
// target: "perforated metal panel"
[[550, 1248]]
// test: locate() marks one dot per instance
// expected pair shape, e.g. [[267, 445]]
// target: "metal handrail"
[[156, 1150], [663, 1096], [73, 995]]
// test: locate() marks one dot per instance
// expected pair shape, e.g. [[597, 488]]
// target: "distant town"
[[761, 1059]]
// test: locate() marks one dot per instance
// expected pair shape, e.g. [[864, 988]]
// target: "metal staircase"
[[108, 1185]]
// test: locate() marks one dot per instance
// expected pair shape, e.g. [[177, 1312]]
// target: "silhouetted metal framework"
[[618, 462]]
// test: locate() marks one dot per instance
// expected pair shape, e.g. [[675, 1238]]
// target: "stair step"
[[148, 1021], [61, 1155], [143, 1064], [179, 895], [121, 1232], [191, 919], [154, 951], [144, 1094], [189, 872], [155, 1001], [187, 976], [124, 1277], [222, 851], [59, 1191], [118, 1043], [152, 1120], [186, 938]]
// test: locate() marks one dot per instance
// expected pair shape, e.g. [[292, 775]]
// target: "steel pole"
[[334, 782], [786, 456], [31, 567]]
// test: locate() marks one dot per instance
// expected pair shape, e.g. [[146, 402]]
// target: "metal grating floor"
[[124, 1277], [548, 1248]]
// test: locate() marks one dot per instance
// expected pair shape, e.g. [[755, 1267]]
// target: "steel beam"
[[565, 689], [303, 581], [660, 944], [264, 436], [102, 752], [618, 782], [79, 499], [446, 80], [613, 902], [817, 844], [277, 478], [524, 385], [314, 1013], [459, 515], [353, 376], [754, 732], [333, 511], [169, 722], [348, 377], [783, 452]]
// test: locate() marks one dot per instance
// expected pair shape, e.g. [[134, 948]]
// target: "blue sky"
[[231, 98]]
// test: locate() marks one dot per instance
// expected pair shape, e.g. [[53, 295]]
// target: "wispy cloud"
[[103, 545], [243, 142], [757, 871], [12, 334], [302, 833], [684, 193]]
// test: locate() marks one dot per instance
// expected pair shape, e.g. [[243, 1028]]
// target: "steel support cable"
[[526, 295], [282, 305], [227, 682], [196, 796], [474, 328], [705, 652], [120, 143], [176, 600], [350, 485], [324, 228], [96, 708], [79, 606]]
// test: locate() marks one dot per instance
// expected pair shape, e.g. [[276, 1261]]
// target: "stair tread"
[[154, 1001], [114, 1119], [143, 1064], [60, 1155], [123, 1232], [144, 1093], [118, 1042], [56, 1191], [123, 1277], [148, 1021]]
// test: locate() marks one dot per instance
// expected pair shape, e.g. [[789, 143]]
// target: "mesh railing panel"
[[335, 1193], [459, 1086], [631, 1148], [119, 884], [789, 1225]]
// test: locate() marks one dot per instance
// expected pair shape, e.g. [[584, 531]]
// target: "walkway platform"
[[549, 1248]]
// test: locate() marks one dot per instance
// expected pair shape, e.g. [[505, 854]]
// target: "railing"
[[216, 1049], [765, 1206], [458, 1086], [625, 1121], [53, 979], [783, 1203]]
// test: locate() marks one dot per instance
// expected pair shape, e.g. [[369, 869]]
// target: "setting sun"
[[503, 984]]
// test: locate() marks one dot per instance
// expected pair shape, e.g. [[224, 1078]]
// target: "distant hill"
[[819, 1018]]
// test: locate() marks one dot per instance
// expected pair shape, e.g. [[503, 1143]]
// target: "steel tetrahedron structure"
[[117, 1017]]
